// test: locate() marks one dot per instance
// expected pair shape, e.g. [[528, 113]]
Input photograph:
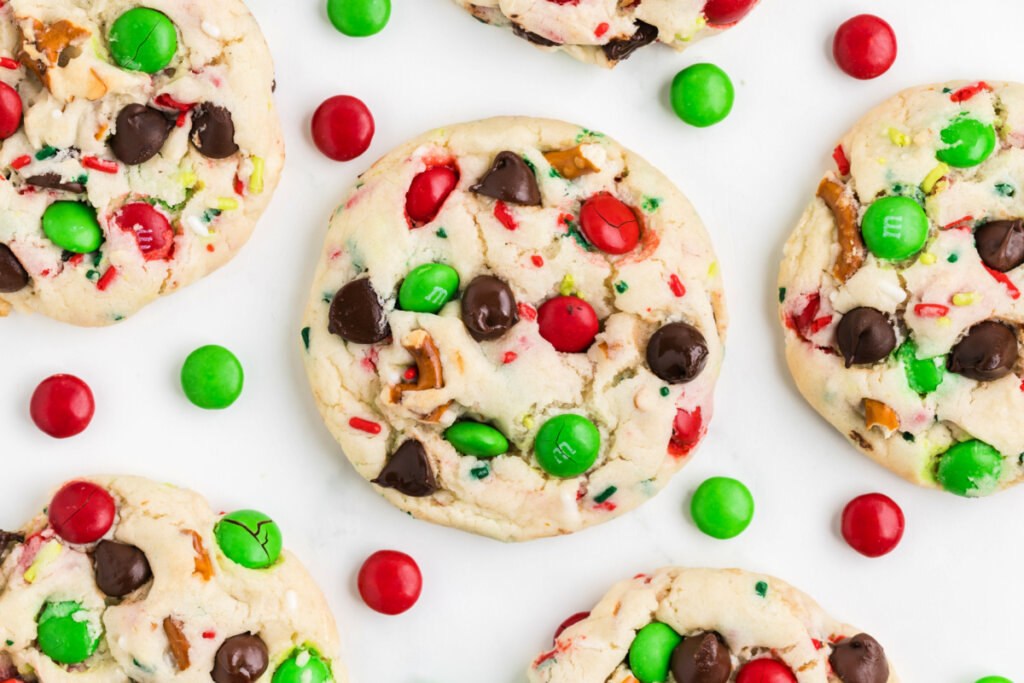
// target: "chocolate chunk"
[[859, 659], [988, 351], [677, 353], [13, 275], [240, 659], [1001, 244], [408, 471], [213, 131], [865, 335], [620, 48], [511, 180], [532, 37], [488, 308], [54, 181], [702, 658], [139, 133], [9, 538], [119, 568], [357, 314]]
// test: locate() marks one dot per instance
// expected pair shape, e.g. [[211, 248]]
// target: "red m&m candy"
[[609, 225], [568, 323], [342, 127], [873, 524], [62, 406], [865, 46], [390, 582], [10, 111], [428, 191], [152, 230], [720, 12], [765, 670], [81, 512]]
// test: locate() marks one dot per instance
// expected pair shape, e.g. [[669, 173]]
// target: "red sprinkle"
[[76, 259], [106, 278], [1005, 281], [526, 312], [239, 187], [931, 310], [841, 161], [504, 216], [962, 224], [819, 324], [537, 260], [364, 425], [607, 505], [410, 374], [21, 162], [509, 357], [102, 165], [209, 635], [967, 92], [601, 29], [8, 63], [565, 220], [169, 102], [210, 248], [816, 643], [677, 286]]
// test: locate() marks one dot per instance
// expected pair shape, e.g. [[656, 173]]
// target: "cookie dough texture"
[[175, 529], [518, 381], [72, 92], [756, 615], [892, 151], [589, 30]]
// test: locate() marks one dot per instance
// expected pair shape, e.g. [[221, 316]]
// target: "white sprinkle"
[[291, 601], [56, 113], [210, 29], [892, 291], [197, 225], [303, 659]]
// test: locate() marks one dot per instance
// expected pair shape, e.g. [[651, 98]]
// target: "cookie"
[[605, 32], [515, 328], [138, 147], [709, 626], [123, 579], [900, 287]]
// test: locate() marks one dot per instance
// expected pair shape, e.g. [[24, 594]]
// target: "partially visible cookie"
[[605, 32], [123, 579], [710, 626]]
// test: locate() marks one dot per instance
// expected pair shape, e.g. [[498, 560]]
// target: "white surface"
[[946, 604]]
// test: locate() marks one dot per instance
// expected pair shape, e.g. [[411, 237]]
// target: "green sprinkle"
[[46, 153], [606, 494], [761, 588], [665, 391], [621, 286], [441, 233], [327, 298], [587, 133], [92, 275], [946, 91], [9, 643], [953, 258], [907, 436], [530, 164], [650, 204], [84, 178], [1005, 189], [578, 236], [480, 471], [782, 294], [210, 214], [305, 337], [554, 173]]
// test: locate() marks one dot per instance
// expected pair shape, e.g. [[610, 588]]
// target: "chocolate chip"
[[240, 659], [13, 275], [54, 181], [119, 568], [1001, 244], [488, 308], [620, 48], [702, 658], [677, 353], [357, 314], [9, 538], [865, 335], [511, 180], [859, 659], [139, 133], [532, 37], [988, 351], [408, 471], [213, 131]]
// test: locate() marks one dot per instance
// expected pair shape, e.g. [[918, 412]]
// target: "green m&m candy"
[[359, 18], [304, 666], [970, 468], [212, 377], [567, 445], [702, 95], [651, 652], [72, 226], [143, 39], [722, 507], [428, 288], [249, 538], [968, 143], [994, 679], [924, 375], [66, 632], [894, 228], [476, 439]]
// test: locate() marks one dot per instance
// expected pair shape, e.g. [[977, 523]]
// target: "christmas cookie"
[[605, 32], [709, 626], [515, 328], [900, 288], [122, 579], [138, 147]]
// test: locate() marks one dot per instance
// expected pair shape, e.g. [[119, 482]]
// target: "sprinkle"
[[928, 184], [441, 233], [210, 29], [46, 153], [225, 204], [1005, 189], [526, 312], [930, 310], [816, 643], [665, 391], [761, 588], [102, 165], [565, 289], [676, 285], [480, 471], [928, 258], [8, 63], [504, 216], [621, 286], [196, 224], [650, 204], [364, 425], [907, 436], [256, 177], [187, 178], [239, 187], [509, 357], [601, 29], [965, 298], [967, 92], [528, 421], [209, 635], [882, 160], [410, 374], [782, 294], [961, 224], [210, 248], [944, 321], [56, 114], [305, 337], [45, 556], [92, 275], [106, 278], [842, 163], [713, 269], [953, 258], [898, 137], [1004, 280], [537, 260], [608, 505], [21, 162], [606, 494], [820, 323]]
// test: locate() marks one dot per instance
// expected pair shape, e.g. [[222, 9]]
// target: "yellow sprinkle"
[[187, 178], [965, 298], [898, 138], [928, 258], [941, 186], [565, 289], [934, 176], [713, 268], [225, 204], [47, 554], [881, 160], [256, 179], [944, 321], [528, 422]]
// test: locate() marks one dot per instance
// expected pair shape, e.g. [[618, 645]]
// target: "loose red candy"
[[865, 46], [428, 191], [721, 12], [81, 512], [152, 230], [765, 671], [390, 582], [62, 406], [609, 225], [571, 621], [10, 111], [342, 127], [568, 323], [873, 524]]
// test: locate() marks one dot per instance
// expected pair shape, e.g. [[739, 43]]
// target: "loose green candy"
[[895, 228], [651, 652], [72, 226], [359, 18], [722, 507], [143, 39], [249, 538], [567, 445], [969, 142], [970, 468], [305, 666], [702, 95], [65, 632], [476, 439], [994, 679], [924, 375], [428, 288], [212, 377]]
